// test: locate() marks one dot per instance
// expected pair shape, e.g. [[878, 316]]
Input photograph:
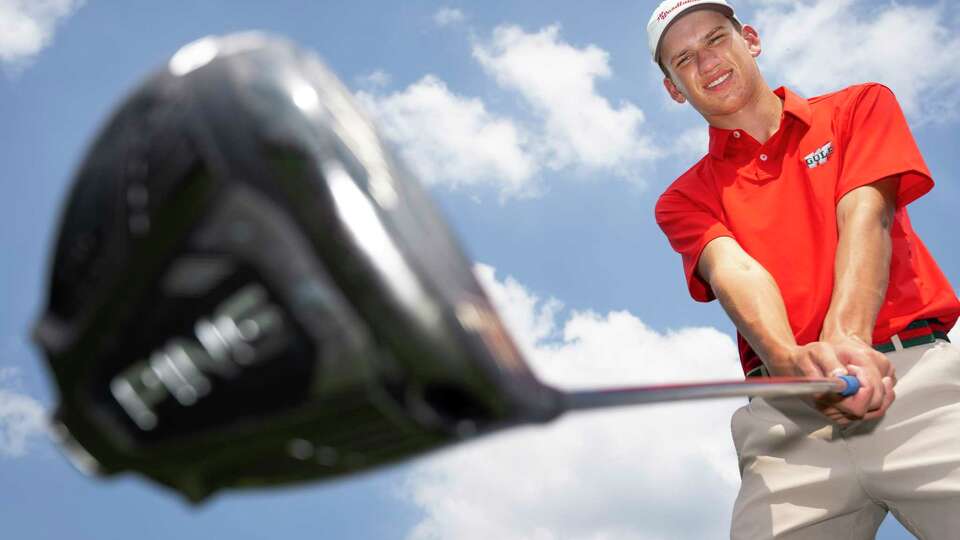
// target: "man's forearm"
[[862, 264], [752, 299]]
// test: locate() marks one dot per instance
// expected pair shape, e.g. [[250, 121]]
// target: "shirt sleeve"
[[689, 227], [878, 144]]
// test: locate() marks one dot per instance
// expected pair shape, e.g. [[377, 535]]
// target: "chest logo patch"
[[819, 156]]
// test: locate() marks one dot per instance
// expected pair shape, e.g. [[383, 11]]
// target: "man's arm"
[[862, 265], [861, 275], [752, 299]]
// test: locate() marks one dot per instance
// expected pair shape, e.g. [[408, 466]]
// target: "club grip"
[[853, 385]]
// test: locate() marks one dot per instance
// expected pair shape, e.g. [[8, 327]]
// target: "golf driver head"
[[249, 289]]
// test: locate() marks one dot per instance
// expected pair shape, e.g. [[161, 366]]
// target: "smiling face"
[[711, 64]]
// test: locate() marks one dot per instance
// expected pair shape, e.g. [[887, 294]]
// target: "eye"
[[716, 39], [683, 61]]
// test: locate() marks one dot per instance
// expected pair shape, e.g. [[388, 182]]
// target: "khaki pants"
[[803, 477]]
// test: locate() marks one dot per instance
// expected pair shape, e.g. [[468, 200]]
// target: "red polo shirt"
[[778, 201]]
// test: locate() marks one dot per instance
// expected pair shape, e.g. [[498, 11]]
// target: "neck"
[[760, 117]]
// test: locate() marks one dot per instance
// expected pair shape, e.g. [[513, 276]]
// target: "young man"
[[796, 221]]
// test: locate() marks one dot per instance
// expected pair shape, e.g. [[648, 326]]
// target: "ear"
[[673, 90], [752, 38]]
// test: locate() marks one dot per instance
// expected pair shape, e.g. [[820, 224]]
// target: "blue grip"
[[853, 384]]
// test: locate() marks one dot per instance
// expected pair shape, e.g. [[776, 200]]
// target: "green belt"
[[930, 331]]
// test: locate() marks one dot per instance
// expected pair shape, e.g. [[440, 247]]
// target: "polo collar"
[[793, 105], [718, 141]]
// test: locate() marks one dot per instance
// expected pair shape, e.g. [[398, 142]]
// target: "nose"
[[707, 61]]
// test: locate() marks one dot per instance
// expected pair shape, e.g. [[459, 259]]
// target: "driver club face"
[[249, 289]]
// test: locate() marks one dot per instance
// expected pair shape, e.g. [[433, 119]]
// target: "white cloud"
[[22, 418], [451, 139], [27, 26], [558, 81], [819, 46], [377, 78], [455, 140], [447, 16], [626, 474]]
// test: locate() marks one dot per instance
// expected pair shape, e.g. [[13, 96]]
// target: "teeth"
[[718, 81]]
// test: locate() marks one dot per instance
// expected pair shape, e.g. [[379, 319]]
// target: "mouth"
[[719, 82]]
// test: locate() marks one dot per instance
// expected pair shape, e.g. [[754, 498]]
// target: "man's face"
[[710, 63]]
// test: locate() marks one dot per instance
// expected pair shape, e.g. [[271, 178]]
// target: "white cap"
[[669, 10]]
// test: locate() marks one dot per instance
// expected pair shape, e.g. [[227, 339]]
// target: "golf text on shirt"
[[819, 156]]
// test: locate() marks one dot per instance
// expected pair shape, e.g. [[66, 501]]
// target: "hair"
[[736, 26]]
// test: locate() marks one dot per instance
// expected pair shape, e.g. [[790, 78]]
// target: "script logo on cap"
[[664, 14]]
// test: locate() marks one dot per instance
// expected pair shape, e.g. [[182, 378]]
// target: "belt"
[[916, 333]]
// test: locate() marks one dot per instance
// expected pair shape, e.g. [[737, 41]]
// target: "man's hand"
[[847, 356], [876, 375]]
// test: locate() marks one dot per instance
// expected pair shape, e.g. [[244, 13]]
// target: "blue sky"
[[544, 134]]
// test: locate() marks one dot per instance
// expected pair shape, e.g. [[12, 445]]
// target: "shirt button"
[[763, 157], [736, 134]]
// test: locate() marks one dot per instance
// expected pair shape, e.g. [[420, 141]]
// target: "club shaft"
[[766, 387]]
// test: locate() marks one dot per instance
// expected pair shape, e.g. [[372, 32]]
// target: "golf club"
[[250, 289]]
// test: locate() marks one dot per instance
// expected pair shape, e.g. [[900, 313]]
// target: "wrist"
[[782, 360], [836, 334]]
